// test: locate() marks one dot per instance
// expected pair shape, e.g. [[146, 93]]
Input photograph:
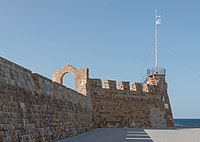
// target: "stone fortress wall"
[[35, 108], [138, 105]]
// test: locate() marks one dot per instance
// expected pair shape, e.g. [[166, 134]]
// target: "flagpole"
[[156, 42]]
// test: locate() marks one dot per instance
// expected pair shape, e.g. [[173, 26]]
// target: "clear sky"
[[113, 38]]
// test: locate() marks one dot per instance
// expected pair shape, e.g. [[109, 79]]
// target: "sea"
[[187, 122]]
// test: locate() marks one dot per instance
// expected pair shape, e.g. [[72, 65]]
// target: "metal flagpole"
[[156, 43], [158, 21]]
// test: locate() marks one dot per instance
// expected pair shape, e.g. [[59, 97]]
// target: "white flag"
[[158, 20]]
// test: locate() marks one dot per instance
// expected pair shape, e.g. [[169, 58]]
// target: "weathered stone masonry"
[[35, 108], [142, 105]]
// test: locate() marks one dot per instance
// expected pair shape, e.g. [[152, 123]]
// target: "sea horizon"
[[187, 122]]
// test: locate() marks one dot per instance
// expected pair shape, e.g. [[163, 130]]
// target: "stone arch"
[[81, 77], [59, 74], [69, 80]]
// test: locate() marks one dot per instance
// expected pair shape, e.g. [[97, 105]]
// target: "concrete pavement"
[[137, 135], [111, 135], [174, 135]]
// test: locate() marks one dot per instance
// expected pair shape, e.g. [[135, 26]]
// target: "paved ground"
[[137, 135], [111, 135], [174, 135]]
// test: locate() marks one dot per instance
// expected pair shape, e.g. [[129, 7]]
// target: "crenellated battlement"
[[86, 85], [123, 85], [136, 86], [95, 84], [110, 84]]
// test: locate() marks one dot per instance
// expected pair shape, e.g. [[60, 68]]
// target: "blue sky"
[[113, 38]]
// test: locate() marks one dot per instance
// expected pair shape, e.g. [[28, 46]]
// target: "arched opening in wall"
[[69, 81]]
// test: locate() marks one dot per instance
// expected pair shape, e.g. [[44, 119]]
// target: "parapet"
[[148, 88], [123, 85], [110, 84], [95, 84], [85, 85], [43, 85], [136, 86], [16, 75]]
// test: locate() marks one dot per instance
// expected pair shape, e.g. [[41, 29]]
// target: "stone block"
[[123, 85], [136, 87], [110, 84]]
